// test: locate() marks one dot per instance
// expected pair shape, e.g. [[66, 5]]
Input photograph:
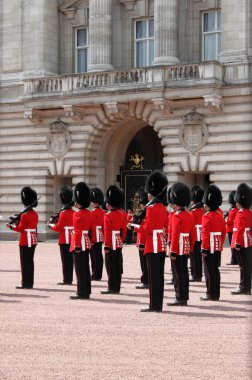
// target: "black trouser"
[[181, 283], [156, 263], [96, 261], [196, 261], [67, 263], [82, 273], [212, 274], [144, 268], [234, 259], [173, 271], [27, 265], [113, 263], [244, 260]]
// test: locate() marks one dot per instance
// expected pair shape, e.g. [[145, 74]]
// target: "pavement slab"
[[45, 335]]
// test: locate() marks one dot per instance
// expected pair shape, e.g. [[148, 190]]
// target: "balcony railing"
[[186, 75]]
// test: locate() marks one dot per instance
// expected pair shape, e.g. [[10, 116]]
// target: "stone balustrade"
[[189, 74]]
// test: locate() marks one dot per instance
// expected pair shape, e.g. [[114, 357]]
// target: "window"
[[144, 42], [81, 50], [211, 29]]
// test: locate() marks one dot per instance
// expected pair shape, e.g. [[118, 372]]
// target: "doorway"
[[144, 155]]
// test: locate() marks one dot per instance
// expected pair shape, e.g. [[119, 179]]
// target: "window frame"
[[144, 39], [216, 32], [77, 48]]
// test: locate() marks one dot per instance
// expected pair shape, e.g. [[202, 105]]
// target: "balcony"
[[140, 79]]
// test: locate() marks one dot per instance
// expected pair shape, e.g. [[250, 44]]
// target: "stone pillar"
[[166, 32], [236, 40], [40, 38], [100, 35], [11, 36]]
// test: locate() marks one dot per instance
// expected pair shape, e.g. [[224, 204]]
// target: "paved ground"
[[45, 335]]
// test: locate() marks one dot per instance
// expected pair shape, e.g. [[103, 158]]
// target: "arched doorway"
[[144, 155]]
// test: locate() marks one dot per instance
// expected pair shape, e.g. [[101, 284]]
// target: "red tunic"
[[230, 219], [64, 226], [141, 233], [213, 231], [82, 223], [28, 228], [170, 216], [115, 228], [242, 229], [197, 214], [156, 226], [98, 225], [183, 234]]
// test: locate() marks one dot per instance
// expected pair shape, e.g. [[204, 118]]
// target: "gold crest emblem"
[[137, 161]]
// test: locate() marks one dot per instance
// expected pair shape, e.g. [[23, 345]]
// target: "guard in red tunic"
[[97, 201], [230, 225], [183, 236], [197, 212], [155, 244], [81, 242], [170, 215], [114, 234], [27, 226], [213, 237], [63, 224], [242, 237], [138, 225]]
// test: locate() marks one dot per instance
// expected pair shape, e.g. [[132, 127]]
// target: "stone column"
[[236, 40], [100, 35], [166, 32]]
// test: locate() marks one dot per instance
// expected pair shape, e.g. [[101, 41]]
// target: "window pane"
[[209, 22], [151, 52], [151, 27], [218, 20], [82, 60], [219, 43], [82, 37], [140, 29], [141, 54], [210, 47]]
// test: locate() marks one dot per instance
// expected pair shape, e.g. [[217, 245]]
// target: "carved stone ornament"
[[58, 139], [193, 133]]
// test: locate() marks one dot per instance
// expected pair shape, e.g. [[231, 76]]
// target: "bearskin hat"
[[169, 196], [66, 195], [28, 196], [197, 193], [97, 196], [143, 196], [156, 184], [180, 194], [114, 196], [212, 197], [243, 195], [81, 194], [231, 200]]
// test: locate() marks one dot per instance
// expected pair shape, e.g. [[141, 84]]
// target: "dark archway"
[[144, 155], [147, 144]]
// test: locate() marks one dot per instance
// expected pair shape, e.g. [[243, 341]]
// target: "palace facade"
[[106, 91]]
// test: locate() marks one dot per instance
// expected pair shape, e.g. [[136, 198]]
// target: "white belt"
[[28, 230], [198, 231], [67, 228], [155, 239], [181, 241], [212, 234], [114, 233], [98, 232], [83, 241]]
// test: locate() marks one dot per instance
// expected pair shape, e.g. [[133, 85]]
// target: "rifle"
[[138, 218], [54, 218], [15, 219]]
